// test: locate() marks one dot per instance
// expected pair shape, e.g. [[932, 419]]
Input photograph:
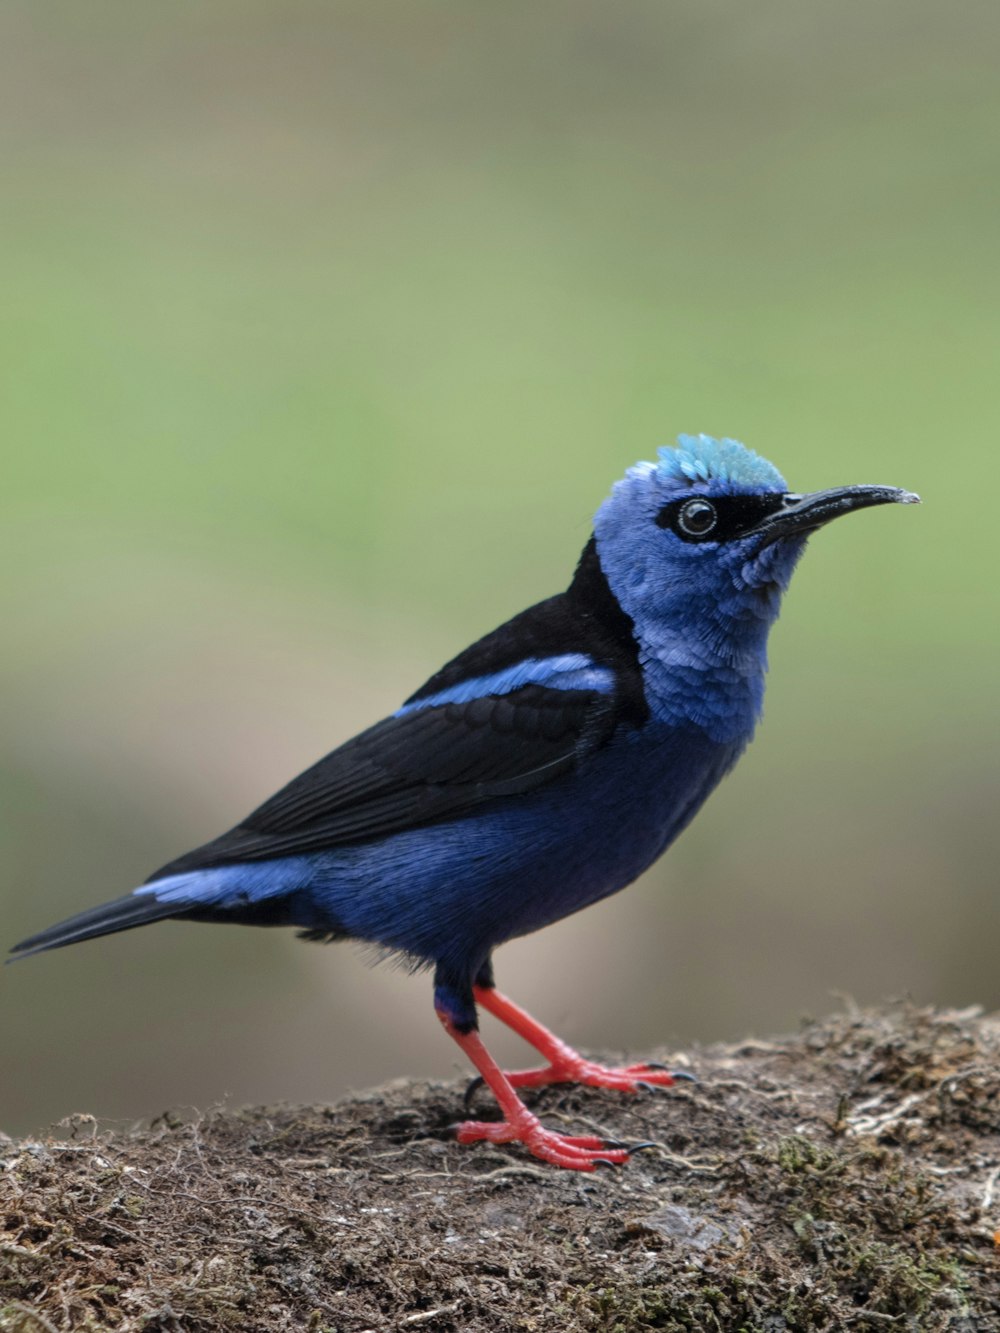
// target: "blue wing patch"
[[568, 671]]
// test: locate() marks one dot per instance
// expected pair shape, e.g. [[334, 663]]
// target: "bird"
[[541, 770]]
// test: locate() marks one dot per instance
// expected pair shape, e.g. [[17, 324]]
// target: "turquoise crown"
[[703, 458]]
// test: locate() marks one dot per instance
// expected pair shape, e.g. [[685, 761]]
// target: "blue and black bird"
[[542, 769]]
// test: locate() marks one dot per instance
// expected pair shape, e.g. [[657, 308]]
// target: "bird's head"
[[705, 539]]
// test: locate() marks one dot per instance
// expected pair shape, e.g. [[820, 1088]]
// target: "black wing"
[[430, 764]]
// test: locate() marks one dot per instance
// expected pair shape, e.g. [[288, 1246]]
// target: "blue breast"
[[456, 890]]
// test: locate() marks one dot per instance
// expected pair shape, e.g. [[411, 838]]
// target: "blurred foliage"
[[325, 328]]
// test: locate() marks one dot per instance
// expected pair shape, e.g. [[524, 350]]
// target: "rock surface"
[[844, 1177]]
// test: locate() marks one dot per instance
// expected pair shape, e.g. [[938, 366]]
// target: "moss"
[[831, 1180]]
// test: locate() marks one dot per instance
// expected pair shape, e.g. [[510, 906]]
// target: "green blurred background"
[[324, 329]]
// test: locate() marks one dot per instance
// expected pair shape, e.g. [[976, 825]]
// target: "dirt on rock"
[[846, 1177]]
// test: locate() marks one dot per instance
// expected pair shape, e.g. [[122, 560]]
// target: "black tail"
[[122, 914]]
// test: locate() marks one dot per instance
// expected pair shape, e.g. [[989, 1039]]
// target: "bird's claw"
[[647, 1076], [630, 1148], [576, 1153], [473, 1087], [658, 1067]]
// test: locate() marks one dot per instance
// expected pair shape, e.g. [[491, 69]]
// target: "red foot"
[[575, 1153], [519, 1125], [575, 1069], [566, 1065]]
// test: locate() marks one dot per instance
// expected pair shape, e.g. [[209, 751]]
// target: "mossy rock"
[[847, 1177]]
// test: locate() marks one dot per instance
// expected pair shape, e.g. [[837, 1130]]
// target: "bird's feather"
[[419, 767], [121, 914]]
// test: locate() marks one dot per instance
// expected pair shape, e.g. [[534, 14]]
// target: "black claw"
[[614, 1143], [640, 1147], [675, 1074], [474, 1085], [650, 1087], [605, 1161]]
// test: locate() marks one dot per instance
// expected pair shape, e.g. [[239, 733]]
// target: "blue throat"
[[702, 638], [708, 671]]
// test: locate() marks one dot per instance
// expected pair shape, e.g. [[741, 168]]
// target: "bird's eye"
[[696, 518]]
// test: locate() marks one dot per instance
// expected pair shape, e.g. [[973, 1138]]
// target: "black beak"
[[802, 514]]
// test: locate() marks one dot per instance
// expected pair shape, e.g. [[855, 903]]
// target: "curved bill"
[[802, 514]]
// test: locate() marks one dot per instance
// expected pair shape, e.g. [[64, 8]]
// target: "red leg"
[[518, 1124], [565, 1065]]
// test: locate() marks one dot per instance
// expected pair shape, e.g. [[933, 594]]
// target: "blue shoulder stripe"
[[569, 671]]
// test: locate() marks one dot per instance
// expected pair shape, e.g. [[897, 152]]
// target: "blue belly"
[[455, 891]]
